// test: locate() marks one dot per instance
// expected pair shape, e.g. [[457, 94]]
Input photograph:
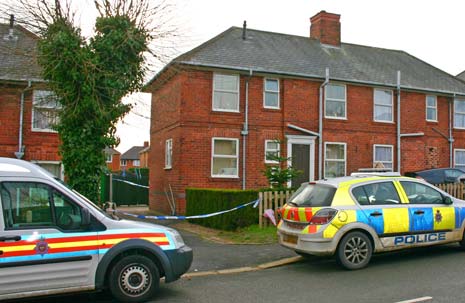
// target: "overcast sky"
[[432, 31]]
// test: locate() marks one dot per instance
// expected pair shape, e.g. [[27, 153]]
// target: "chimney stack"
[[326, 28]]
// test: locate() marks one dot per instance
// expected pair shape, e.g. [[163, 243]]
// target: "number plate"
[[290, 239]]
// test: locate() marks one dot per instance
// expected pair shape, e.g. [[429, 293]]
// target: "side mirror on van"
[[85, 214]]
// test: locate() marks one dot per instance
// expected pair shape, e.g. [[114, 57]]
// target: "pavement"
[[212, 257]]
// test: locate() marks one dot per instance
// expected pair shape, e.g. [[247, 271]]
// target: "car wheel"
[[354, 251], [462, 242], [134, 278]]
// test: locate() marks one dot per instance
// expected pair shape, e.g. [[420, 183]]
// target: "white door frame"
[[305, 140]]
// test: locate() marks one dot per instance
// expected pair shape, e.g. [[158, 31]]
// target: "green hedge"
[[206, 201]]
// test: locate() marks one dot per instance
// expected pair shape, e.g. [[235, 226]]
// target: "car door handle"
[[419, 212], [10, 238], [376, 214]]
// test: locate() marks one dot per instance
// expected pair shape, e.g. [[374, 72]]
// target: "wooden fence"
[[453, 189], [271, 200]]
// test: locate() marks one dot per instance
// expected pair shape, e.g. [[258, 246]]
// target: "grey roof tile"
[[18, 55], [132, 153], [283, 54]]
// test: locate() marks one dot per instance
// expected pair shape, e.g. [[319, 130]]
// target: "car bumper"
[[181, 260], [312, 244]]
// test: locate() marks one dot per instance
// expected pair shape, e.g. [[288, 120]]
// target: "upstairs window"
[[136, 163], [271, 93], [45, 107], [335, 101], [108, 158], [431, 108], [123, 162], [168, 153], [383, 107], [271, 151], [459, 113], [225, 93], [335, 160], [225, 157]]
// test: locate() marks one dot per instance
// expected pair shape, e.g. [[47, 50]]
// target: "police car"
[[53, 240], [353, 217]]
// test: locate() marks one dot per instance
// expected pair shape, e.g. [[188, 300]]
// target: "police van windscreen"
[[313, 195]]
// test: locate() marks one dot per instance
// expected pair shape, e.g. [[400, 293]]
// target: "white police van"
[[53, 240]]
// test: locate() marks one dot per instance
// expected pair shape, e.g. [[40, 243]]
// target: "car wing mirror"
[[447, 200]]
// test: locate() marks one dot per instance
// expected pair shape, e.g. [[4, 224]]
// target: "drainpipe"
[[451, 138], [245, 130], [398, 122], [20, 153], [320, 126]]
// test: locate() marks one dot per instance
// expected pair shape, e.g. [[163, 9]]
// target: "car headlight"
[[178, 240]]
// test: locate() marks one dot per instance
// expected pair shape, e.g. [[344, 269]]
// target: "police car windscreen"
[[313, 195]]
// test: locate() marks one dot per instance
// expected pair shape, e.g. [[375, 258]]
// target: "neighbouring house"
[[131, 158], [335, 107], [27, 108], [461, 76], [112, 159], [144, 156]]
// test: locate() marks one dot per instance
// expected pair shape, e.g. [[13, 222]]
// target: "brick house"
[[144, 156], [112, 159], [131, 158], [27, 108], [218, 110]]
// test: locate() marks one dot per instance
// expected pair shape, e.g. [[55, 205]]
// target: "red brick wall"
[[182, 111], [40, 146], [114, 165]]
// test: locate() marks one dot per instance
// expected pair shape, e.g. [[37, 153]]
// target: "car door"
[[43, 246], [428, 212], [382, 209]]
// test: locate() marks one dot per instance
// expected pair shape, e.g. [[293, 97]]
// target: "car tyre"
[[354, 251], [134, 278], [462, 242]]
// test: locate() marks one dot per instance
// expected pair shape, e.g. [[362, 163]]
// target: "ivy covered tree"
[[89, 77]]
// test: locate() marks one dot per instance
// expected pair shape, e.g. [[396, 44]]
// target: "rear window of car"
[[313, 195]]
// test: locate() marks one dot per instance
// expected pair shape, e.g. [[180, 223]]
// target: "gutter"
[[20, 153]]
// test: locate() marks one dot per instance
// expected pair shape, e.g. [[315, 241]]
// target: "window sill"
[[386, 122], [39, 130], [337, 118]]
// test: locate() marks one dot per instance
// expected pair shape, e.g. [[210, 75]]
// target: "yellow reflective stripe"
[[330, 231], [401, 191], [17, 248], [285, 212], [396, 220], [342, 197], [301, 212], [444, 217]]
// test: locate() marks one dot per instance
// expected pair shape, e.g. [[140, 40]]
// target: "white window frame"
[[336, 100], [458, 113], [169, 154], [35, 105], [375, 105], [62, 168], [460, 165], [272, 150], [123, 163], [270, 91], [136, 163], [336, 160], [237, 92], [108, 158], [225, 156], [392, 155], [435, 107]]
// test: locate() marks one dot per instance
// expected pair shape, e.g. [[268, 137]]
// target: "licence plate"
[[290, 239]]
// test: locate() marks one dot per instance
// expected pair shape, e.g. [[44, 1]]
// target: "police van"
[[53, 240], [352, 217]]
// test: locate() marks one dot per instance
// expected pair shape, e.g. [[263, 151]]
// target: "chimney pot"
[[326, 27], [244, 30]]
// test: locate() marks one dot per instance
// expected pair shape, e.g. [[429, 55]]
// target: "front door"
[[301, 152], [41, 241]]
